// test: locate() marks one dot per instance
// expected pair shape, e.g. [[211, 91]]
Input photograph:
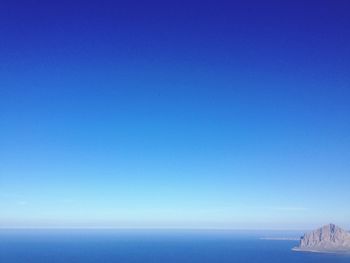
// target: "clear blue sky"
[[182, 114]]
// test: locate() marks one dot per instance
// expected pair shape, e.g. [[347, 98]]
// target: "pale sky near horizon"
[[198, 114]]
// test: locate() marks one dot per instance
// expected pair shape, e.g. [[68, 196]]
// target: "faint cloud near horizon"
[[22, 203], [286, 208]]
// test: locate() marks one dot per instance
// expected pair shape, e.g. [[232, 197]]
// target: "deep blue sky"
[[174, 114]]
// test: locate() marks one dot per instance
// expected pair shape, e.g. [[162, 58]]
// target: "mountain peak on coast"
[[329, 238]]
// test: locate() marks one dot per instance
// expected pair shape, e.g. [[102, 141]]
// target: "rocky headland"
[[327, 239]]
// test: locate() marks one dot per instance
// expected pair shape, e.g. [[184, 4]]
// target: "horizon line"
[[142, 228]]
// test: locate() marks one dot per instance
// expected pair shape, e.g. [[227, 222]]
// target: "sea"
[[165, 246]]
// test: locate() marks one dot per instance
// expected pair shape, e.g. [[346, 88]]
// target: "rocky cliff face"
[[329, 238]]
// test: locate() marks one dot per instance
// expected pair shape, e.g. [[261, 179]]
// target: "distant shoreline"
[[321, 251], [280, 238]]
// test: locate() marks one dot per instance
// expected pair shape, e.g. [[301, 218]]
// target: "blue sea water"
[[103, 246]]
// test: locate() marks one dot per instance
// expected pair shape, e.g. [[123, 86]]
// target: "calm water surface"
[[90, 246]]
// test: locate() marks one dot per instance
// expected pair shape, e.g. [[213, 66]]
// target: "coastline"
[[296, 249]]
